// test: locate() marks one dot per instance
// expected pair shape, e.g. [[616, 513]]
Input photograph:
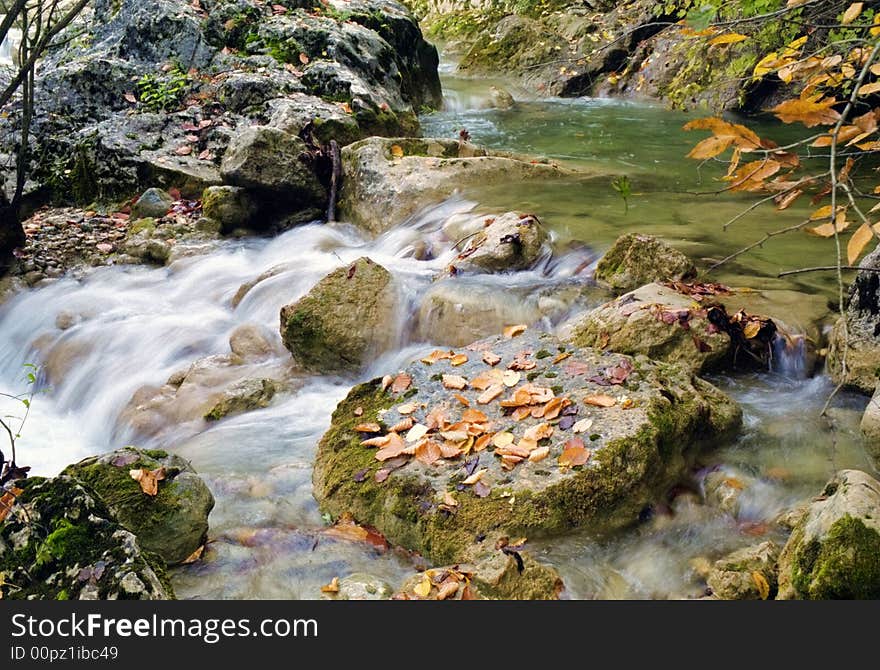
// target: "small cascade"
[[790, 355]]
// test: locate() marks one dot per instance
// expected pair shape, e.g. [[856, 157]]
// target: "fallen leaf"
[[397, 151], [449, 500], [454, 382], [407, 408], [600, 400], [761, 583], [503, 439], [402, 426], [104, 248], [464, 401], [368, 428], [447, 589], [490, 358], [303, 59], [332, 587], [395, 447], [193, 557], [561, 357], [539, 454], [358, 411], [512, 331], [417, 432], [423, 588], [428, 452], [148, 479], [490, 394], [380, 441], [401, 383], [582, 426], [511, 378], [474, 478], [481, 490], [574, 453], [459, 359], [386, 381], [437, 355], [474, 416]]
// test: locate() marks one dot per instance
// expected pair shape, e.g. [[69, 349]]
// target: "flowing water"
[[135, 326]]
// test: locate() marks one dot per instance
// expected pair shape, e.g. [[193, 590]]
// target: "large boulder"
[[230, 207], [519, 435], [61, 542], [346, 319], [857, 332], [870, 426], [634, 260], [385, 181], [270, 161], [833, 551], [150, 92], [174, 522], [746, 574]]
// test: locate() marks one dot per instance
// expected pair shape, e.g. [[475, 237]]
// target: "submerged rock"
[[858, 331], [388, 180], [635, 260], [347, 318], [361, 586], [61, 542], [173, 523], [243, 396], [833, 550], [746, 574], [598, 436]]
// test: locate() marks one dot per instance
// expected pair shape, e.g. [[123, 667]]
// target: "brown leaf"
[[490, 358], [148, 479], [447, 589], [857, 242], [183, 150], [303, 59], [464, 401], [811, 111], [600, 400], [195, 556], [574, 453], [455, 382], [512, 331], [401, 383], [428, 452], [368, 428], [474, 416], [395, 447], [397, 151], [332, 587], [459, 359], [490, 394]]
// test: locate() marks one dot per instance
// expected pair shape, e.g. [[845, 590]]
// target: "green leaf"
[[31, 378], [699, 18], [26, 403]]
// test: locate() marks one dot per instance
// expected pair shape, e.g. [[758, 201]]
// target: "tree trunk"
[[11, 233]]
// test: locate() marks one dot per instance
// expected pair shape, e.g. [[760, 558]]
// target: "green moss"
[[66, 540], [844, 566]]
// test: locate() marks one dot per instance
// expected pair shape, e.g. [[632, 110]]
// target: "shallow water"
[[136, 326]]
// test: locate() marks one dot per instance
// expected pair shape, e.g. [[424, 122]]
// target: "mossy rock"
[[61, 542], [660, 418], [173, 523], [649, 321], [834, 550], [634, 260], [243, 396], [344, 320], [746, 574]]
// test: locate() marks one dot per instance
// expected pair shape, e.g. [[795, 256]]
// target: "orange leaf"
[[397, 151], [857, 242], [148, 479], [574, 453], [811, 111], [600, 400], [401, 383], [513, 331], [710, 147], [868, 89]]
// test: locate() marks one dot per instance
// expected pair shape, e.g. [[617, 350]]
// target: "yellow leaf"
[[868, 89], [857, 242], [852, 13], [875, 29], [752, 329], [809, 111], [423, 588], [710, 147], [513, 331], [827, 230], [332, 587], [459, 359], [761, 581], [765, 65], [728, 38], [397, 151]]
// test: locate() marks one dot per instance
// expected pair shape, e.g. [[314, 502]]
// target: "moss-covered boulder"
[[61, 542], [870, 426], [174, 522], [344, 320], [511, 241], [230, 207], [385, 181], [635, 260], [746, 574], [858, 331], [834, 551], [657, 321], [519, 435], [272, 163]]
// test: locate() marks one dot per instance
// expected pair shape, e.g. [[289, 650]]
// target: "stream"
[[135, 326]]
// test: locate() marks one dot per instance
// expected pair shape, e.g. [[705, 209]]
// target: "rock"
[[154, 203], [638, 446], [61, 542], [66, 320], [269, 160], [635, 260], [870, 426], [244, 396], [724, 487], [508, 242], [495, 575], [500, 98], [832, 552], [861, 322], [344, 321], [634, 324], [746, 574], [361, 586], [230, 206], [459, 310], [381, 190], [300, 114], [250, 342], [172, 524]]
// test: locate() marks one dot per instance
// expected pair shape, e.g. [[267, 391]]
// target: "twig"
[[825, 268], [759, 243]]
